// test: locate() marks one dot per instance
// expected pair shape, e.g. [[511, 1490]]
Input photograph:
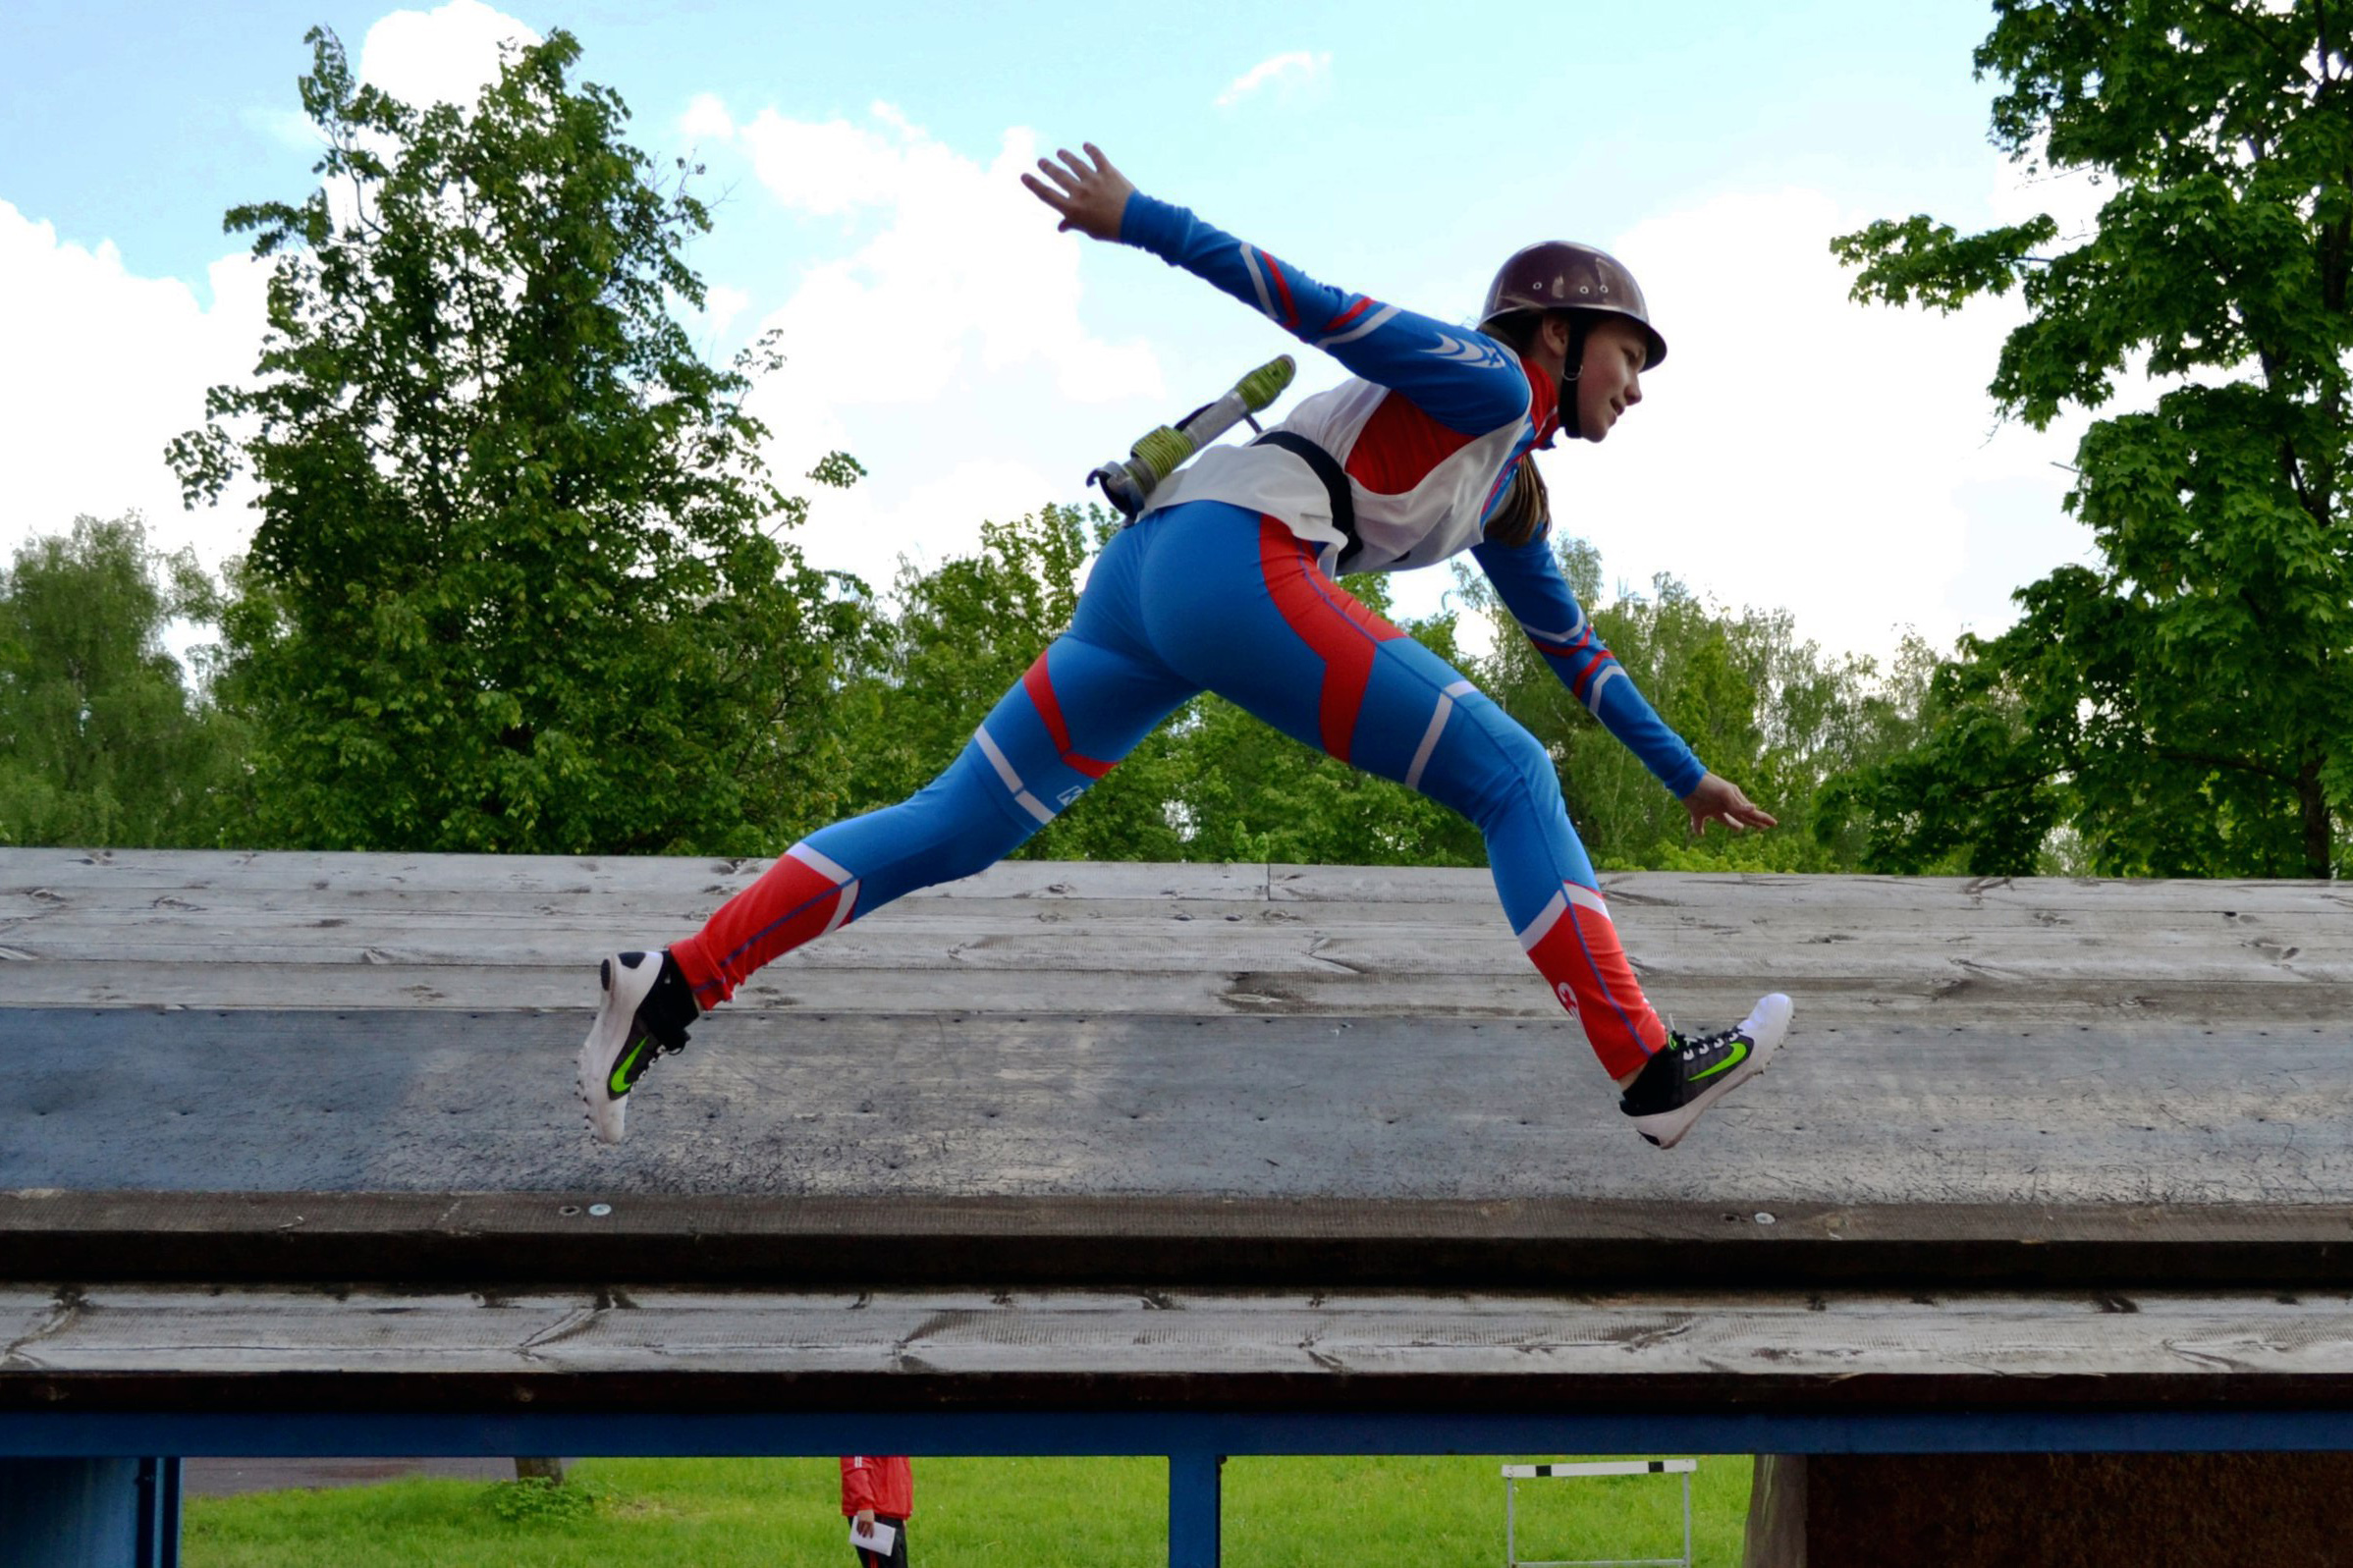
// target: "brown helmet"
[[1559, 275]]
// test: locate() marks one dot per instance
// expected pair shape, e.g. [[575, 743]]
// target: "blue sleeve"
[[1527, 578], [1463, 380]]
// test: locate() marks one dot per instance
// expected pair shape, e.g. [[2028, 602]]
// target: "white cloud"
[[1292, 70], [1802, 451], [104, 368], [869, 529], [948, 300], [721, 305], [964, 262], [447, 55], [288, 128], [706, 120]]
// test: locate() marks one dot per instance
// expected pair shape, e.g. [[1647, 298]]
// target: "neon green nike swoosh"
[[1733, 1060], [619, 1083]]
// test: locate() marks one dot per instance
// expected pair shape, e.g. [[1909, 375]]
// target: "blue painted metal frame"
[[1195, 1512], [158, 1543], [112, 1512], [1196, 1445], [66, 1435]]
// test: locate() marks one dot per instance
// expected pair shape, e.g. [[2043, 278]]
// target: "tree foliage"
[[516, 583], [101, 743], [2186, 708], [1215, 784], [1212, 783], [1759, 705]]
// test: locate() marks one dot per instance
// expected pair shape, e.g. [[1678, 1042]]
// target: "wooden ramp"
[[189, 1022], [1306, 1153]]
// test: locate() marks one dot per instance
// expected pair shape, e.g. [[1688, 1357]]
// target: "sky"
[[1796, 450]]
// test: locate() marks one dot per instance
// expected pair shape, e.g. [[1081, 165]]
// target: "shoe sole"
[[1667, 1130], [608, 1117]]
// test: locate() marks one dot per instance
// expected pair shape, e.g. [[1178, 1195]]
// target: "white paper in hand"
[[878, 1539]]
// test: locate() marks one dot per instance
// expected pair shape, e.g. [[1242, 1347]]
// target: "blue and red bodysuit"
[[1227, 584]]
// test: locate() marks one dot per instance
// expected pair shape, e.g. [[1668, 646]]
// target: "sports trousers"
[[1200, 597]]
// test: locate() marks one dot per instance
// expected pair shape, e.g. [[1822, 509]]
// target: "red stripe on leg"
[[1039, 683], [1588, 970], [1341, 630], [789, 903]]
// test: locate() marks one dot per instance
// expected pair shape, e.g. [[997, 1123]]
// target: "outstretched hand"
[[1718, 799], [1091, 195]]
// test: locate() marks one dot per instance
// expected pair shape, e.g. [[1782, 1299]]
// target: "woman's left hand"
[[1718, 799]]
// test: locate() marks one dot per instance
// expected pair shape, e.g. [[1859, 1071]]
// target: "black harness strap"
[[1335, 486]]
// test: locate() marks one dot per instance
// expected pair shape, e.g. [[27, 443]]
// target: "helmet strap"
[[1572, 366]]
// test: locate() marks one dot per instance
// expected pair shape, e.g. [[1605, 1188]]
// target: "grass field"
[[972, 1513]]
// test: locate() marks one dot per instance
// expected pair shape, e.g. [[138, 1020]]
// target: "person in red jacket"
[[878, 1490]]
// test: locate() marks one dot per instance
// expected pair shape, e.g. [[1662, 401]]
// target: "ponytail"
[[1527, 508]]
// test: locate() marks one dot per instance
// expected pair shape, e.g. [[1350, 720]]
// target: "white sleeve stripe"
[[1258, 281], [1460, 688], [819, 863], [1593, 699], [1357, 331], [1437, 725], [1576, 629]]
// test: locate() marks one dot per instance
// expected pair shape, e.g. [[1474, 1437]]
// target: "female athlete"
[[1227, 584]]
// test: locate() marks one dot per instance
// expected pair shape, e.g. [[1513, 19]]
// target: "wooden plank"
[[1161, 940], [1140, 1242], [645, 913], [2140, 1109], [1853, 1000], [2318, 899], [162, 1348], [242, 927], [126, 872], [123, 873]]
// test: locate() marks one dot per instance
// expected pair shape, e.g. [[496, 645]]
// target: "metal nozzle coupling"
[[1160, 451]]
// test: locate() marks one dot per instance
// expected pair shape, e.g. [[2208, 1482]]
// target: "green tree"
[[1758, 704], [2187, 707], [516, 583], [101, 743], [1212, 783], [954, 640]]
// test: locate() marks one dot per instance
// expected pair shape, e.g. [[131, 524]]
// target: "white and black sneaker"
[[1687, 1076], [647, 1008]]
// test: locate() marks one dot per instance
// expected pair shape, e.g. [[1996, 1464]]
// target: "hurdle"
[[1514, 1475]]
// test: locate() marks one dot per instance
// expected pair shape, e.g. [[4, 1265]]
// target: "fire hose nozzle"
[[1128, 484]]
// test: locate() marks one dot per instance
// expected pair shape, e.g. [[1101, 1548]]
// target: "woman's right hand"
[[1090, 196]]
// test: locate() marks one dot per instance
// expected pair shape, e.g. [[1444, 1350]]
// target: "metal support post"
[[89, 1513], [158, 1513], [1194, 1476]]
